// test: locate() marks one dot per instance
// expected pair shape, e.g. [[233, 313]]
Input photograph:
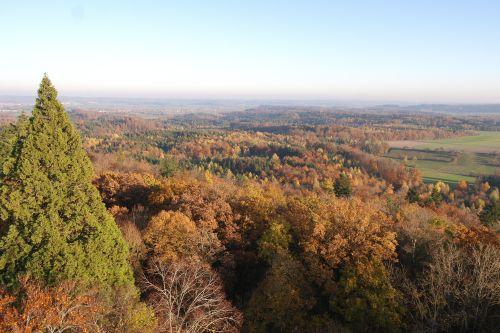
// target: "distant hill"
[[457, 109], [186, 106]]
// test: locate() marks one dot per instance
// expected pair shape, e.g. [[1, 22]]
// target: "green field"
[[451, 160], [484, 142]]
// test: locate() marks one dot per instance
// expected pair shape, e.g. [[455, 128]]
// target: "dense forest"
[[275, 219]]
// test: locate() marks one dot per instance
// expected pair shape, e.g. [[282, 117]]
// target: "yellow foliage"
[[171, 236]]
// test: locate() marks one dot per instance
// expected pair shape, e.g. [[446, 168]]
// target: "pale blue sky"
[[415, 51]]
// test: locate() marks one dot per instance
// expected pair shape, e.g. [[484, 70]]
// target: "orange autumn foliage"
[[172, 236], [42, 309], [342, 230], [333, 232]]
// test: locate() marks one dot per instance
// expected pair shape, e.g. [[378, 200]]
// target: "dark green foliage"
[[53, 223], [366, 300], [7, 138], [168, 166], [9, 135], [342, 187], [491, 213], [412, 195], [436, 196]]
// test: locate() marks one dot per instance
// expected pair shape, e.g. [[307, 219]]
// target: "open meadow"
[[484, 142], [451, 160]]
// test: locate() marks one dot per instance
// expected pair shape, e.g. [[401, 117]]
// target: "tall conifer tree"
[[53, 224]]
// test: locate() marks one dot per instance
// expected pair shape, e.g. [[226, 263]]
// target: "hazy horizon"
[[363, 52], [239, 104]]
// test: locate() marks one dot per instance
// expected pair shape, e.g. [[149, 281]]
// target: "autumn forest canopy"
[[272, 219]]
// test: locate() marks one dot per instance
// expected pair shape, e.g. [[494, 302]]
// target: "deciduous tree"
[[56, 310], [189, 298]]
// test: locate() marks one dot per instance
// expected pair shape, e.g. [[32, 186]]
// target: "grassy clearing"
[[451, 160], [484, 142], [433, 171], [447, 166]]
